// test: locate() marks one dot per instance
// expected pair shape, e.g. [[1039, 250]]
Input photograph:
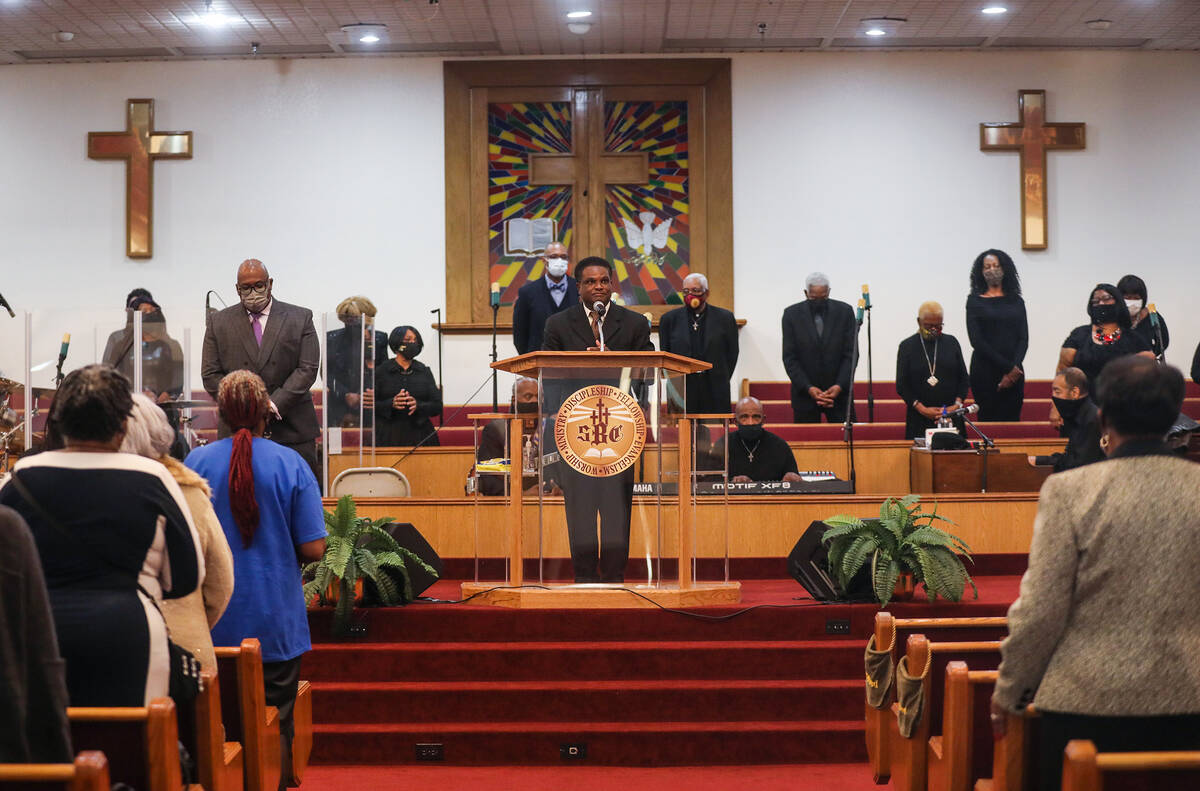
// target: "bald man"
[[278, 342], [930, 372], [756, 454], [540, 299]]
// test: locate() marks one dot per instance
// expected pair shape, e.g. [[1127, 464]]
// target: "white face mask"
[[557, 267], [1135, 306]]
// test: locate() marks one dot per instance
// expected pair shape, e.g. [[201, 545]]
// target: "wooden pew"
[[1085, 769], [88, 773], [892, 634], [247, 717], [1014, 756], [219, 763], [907, 756], [303, 741], [140, 743], [963, 752]]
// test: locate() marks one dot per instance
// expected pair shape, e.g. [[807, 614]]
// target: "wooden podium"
[[942, 471], [606, 366]]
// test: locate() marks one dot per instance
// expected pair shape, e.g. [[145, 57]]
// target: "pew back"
[[963, 752], [247, 716], [89, 772], [218, 762], [141, 744], [1086, 769]]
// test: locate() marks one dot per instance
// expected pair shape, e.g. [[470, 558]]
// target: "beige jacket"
[[1107, 621], [191, 618]]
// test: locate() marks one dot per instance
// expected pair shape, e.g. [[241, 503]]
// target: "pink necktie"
[[258, 330]]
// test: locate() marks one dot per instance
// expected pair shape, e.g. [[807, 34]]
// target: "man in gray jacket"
[[278, 342]]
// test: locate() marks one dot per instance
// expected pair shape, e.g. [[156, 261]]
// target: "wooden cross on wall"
[[1033, 137], [139, 145]]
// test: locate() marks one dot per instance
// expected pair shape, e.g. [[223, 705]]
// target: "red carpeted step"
[[573, 660], [586, 701], [608, 743]]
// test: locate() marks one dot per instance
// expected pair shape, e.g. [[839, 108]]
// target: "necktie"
[[256, 318], [596, 327]]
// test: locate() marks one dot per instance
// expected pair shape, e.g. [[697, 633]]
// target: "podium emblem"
[[600, 430]]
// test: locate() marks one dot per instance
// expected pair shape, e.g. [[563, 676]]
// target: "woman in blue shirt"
[[269, 506]]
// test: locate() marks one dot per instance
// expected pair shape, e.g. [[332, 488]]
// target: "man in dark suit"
[[819, 336], [540, 299], [703, 332], [582, 328], [278, 342]]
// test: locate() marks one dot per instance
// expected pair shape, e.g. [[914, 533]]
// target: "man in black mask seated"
[[493, 438], [1080, 423], [756, 454]]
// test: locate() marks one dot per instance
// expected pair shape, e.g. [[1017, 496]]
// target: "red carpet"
[[811, 777], [761, 683]]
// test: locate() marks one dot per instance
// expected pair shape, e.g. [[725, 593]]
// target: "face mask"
[[527, 406], [557, 267], [694, 301], [928, 334], [1068, 408], [1135, 307], [1103, 314], [818, 305], [752, 432], [256, 303], [410, 350], [993, 277]]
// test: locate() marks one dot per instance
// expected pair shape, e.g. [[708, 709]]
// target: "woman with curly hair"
[[999, 333]]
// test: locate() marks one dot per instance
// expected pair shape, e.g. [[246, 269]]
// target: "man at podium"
[[597, 324]]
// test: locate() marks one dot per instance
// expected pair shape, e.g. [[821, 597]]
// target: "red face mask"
[[694, 302]]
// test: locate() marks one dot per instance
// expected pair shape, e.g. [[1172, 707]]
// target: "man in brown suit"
[[1104, 639], [278, 342]]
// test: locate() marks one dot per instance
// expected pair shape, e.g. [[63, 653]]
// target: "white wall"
[[864, 165]]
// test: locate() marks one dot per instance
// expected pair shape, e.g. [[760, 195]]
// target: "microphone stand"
[[848, 426], [986, 443], [870, 370], [495, 356], [441, 386]]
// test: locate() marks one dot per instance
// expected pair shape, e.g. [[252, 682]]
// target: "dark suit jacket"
[[818, 362], [287, 362], [342, 371], [707, 391], [534, 305], [624, 331]]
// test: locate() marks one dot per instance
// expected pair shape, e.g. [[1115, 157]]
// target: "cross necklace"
[[749, 452], [932, 380], [695, 322]]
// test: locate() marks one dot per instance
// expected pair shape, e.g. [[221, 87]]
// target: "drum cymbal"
[[182, 404], [8, 385]]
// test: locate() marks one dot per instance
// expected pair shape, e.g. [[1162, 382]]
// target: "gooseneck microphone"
[[62, 358], [598, 308], [962, 410]]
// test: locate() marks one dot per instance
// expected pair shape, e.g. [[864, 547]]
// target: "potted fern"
[[903, 540], [358, 550]]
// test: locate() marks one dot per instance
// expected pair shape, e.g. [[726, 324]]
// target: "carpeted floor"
[[804, 777]]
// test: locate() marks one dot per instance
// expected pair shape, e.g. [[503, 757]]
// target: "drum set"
[[12, 425]]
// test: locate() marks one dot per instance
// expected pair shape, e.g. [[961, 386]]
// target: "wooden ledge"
[[505, 327], [572, 597]]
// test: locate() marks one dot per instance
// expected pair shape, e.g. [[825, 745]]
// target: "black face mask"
[[752, 432], [1103, 314], [819, 306], [1068, 408], [527, 406], [410, 350]]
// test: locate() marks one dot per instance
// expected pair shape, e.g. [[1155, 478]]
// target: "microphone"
[[495, 303], [858, 313], [1150, 307], [866, 297], [62, 357], [962, 410], [598, 308], [4, 304]]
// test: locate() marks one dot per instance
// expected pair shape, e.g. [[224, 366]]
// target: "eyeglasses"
[[699, 292], [253, 288]]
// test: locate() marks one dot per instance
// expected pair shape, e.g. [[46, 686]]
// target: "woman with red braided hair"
[[269, 506]]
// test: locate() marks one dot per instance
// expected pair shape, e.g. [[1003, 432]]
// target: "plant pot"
[[334, 592], [905, 587]]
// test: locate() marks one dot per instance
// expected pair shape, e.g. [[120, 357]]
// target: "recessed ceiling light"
[[875, 31], [1098, 24], [365, 32], [882, 25], [578, 14], [995, 9], [212, 17]]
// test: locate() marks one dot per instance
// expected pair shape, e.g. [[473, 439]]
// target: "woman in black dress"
[[405, 394], [1092, 346], [114, 536], [999, 335], [1153, 329]]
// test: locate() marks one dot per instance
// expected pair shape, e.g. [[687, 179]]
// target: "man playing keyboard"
[[756, 454]]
